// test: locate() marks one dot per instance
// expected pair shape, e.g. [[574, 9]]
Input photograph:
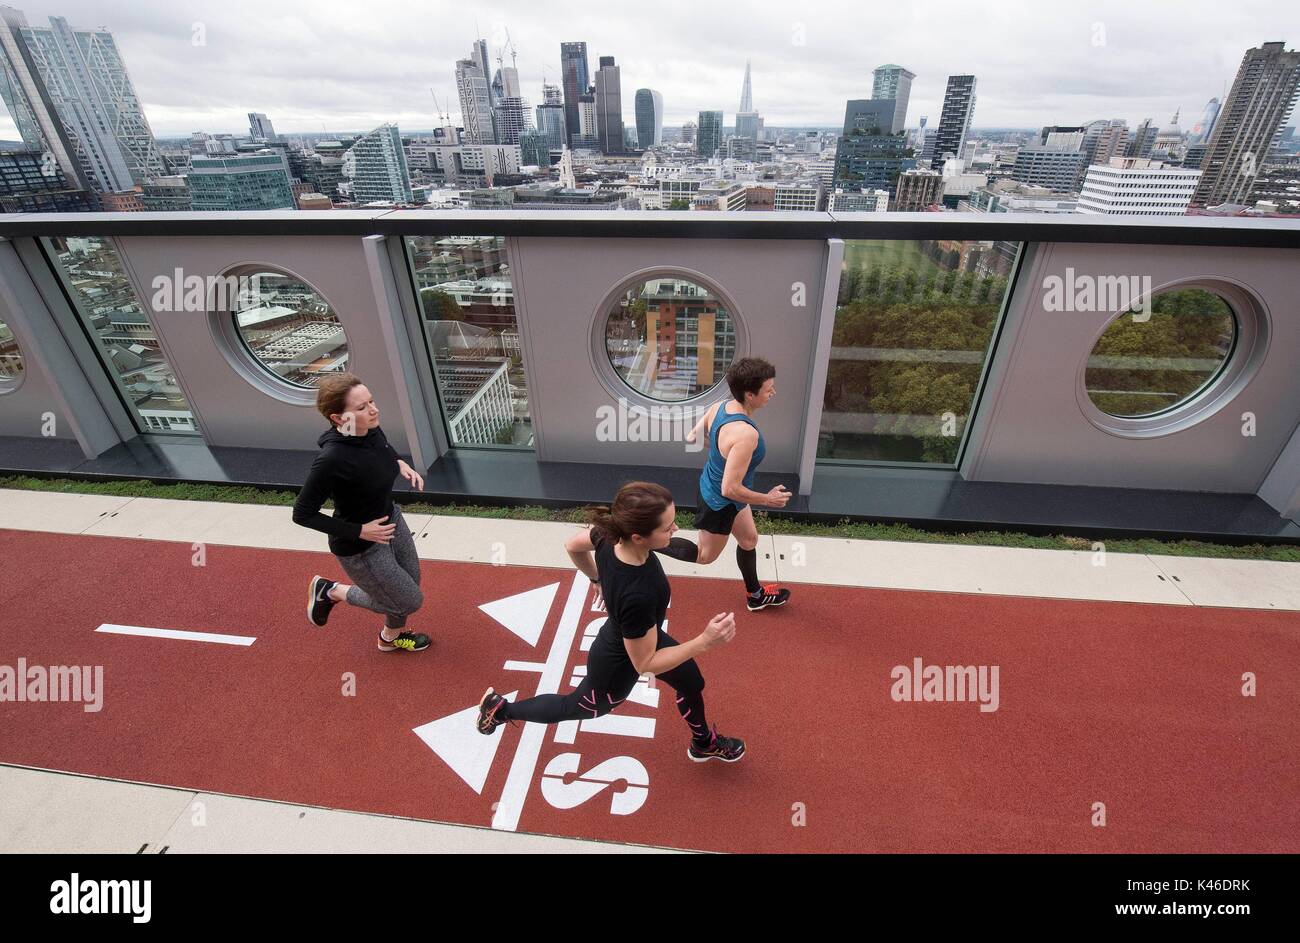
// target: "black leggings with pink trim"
[[603, 690]]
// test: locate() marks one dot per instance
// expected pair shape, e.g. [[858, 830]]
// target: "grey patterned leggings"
[[386, 577]]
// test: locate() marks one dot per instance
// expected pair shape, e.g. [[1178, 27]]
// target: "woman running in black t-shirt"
[[616, 553]]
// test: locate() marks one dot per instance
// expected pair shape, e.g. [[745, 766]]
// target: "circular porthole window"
[[1161, 368], [1145, 365], [11, 360], [667, 337], [284, 324]]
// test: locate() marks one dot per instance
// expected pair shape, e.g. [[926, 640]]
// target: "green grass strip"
[[845, 528]]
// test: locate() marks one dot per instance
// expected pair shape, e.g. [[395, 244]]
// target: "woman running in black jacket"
[[367, 533]]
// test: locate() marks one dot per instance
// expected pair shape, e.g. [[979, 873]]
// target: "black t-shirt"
[[636, 597], [357, 473]]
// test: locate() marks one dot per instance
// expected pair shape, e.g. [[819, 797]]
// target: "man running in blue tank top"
[[726, 492]]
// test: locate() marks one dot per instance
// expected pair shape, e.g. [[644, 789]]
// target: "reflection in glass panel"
[[287, 326], [467, 302], [1143, 365], [108, 307], [11, 359], [670, 339], [912, 331]]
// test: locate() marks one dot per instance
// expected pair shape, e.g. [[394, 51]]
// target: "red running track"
[[1135, 706]]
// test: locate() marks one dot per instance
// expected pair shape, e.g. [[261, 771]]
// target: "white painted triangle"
[[456, 740], [524, 613]]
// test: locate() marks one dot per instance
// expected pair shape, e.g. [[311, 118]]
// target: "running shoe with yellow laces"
[[406, 642]]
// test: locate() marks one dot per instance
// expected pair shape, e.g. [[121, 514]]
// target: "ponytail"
[[636, 509], [602, 522]]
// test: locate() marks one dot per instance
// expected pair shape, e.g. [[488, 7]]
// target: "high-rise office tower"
[[259, 127], [868, 156], [240, 182], [1251, 120], [1103, 140], [1144, 139], [479, 55], [475, 100], [70, 96], [550, 117], [928, 137], [584, 135], [649, 117], [894, 82], [510, 116], [27, 185], [506, 87], [954, 121], [512, 119], [747, 122], [869, 116], [379, 167], [1062, 137], [506, 83], [708, 138], [1193, 156], [609, 107], [1201, 131], [573, 69]]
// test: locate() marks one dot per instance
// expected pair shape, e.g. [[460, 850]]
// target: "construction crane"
[[511, 46], [437, 106], [443, 116]]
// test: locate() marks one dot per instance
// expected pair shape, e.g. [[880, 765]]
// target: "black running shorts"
[[715, 522]]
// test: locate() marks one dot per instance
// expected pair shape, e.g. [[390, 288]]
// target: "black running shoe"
[[319, 603], [767, 595], [488, 710], [406, 642], [727, 749]]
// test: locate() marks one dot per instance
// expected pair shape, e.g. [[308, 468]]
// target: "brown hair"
[[332, 393], [748, 375], [636, 509]]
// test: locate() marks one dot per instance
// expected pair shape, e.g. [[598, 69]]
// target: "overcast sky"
[[348, 66]]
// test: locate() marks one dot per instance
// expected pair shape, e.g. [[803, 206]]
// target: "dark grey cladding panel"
[[933, 499]]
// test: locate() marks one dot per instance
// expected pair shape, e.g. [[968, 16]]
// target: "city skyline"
[[1104, 63]]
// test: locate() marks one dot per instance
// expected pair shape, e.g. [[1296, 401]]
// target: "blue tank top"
[[711, 476]]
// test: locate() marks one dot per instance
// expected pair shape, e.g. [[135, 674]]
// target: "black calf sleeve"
[[679, 548], [748, 562]]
